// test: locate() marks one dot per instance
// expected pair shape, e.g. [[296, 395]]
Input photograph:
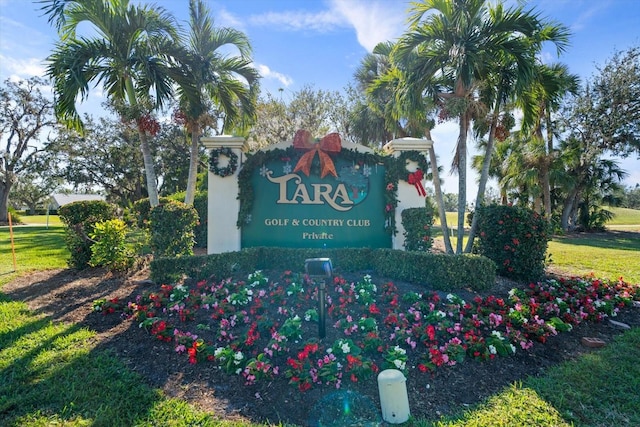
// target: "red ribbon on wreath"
[[329, 144], [415, 178]]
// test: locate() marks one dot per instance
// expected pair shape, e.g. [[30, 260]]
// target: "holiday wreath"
[[214, 160]]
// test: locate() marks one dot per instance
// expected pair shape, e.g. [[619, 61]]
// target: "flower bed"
[[265, 329]]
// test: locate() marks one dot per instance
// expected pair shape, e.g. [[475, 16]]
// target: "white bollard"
[[394, 401]]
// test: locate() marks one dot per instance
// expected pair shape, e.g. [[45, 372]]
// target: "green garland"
[[231, 167], [395, 169]]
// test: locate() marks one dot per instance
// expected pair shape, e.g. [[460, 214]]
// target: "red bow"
[[415, 178], [329, 144]]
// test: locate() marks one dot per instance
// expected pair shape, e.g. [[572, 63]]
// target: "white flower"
[[238, 371], [492, 349], [450, 297], [400, 350], [345, 348], [513, 348], [238, 356], [399, 364], [496, 334], [441, 314]]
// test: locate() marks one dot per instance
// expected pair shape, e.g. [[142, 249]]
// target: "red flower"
[[423, 368], [431, 332], [304, 386], [373, 309]]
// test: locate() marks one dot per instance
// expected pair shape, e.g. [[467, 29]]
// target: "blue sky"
[[321, 42]]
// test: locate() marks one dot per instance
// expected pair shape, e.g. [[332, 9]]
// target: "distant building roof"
[[64, 199]]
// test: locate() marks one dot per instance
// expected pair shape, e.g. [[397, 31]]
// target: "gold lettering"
[[282, 182]]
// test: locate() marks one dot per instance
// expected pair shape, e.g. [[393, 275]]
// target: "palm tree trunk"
[[462, 178], [546, 186], [152, 182], [484, 176], [546, 181], [439, 199], [567, 209], [193, 165]]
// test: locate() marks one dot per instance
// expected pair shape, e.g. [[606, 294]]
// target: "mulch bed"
[[67, 296]]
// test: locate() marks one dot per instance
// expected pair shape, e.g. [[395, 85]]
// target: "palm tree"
[[551, 84], [128, 53], [400, 111], [209, 79], [461, 42]]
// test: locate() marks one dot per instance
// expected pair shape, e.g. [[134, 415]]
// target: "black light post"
[[320, 268]]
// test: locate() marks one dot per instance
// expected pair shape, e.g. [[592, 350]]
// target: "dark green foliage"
[[438, 271], [200, 203], [515, 238], [141, 211], [172, 229], [80, 217], [417, 224]]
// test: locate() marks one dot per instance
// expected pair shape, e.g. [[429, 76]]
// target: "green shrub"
[[417, 224], [141, 208], [200, 203], [80, 217], [515, 238], [110, 249], [141, 211], [16, 218], [438, 271], [172, 225]]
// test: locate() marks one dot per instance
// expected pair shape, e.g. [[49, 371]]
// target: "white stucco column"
[[222, 202], [408, 196]]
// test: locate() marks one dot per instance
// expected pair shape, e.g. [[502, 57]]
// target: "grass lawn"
[[40, 220], [608, 256], [36, 248], [54, 375], [624, 216]]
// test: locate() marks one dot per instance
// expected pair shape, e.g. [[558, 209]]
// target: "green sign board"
[[343, 208]]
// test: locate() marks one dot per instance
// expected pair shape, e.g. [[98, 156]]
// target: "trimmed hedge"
[[515, 238], [438, 271], [417, 224], [172, 224], [142, 208]]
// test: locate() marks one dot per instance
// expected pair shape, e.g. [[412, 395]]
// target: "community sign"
[[314, 194]]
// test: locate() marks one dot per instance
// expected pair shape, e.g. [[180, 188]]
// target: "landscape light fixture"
[[320, 268]]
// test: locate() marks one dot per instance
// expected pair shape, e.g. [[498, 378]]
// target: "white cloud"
[[324, 21], [21, 67], [586, 17], [267, 73], [373, 21], [224, 18]]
